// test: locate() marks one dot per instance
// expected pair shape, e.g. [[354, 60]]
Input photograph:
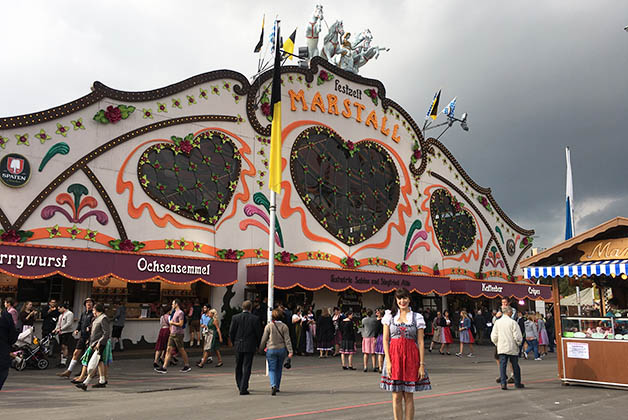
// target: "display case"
[[597, 328]]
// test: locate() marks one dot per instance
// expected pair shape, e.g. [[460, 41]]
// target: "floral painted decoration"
[[436, 270], [403, 267], [4, 141], [526, 241], [484, 202], [323, 77], [13, 235], [230, 254], [285, 257], [416, 153], [186, 144], [350, 146], [265, 105], [371, 93], [114, 114], [126, 245], [350, 262], [479, 275]]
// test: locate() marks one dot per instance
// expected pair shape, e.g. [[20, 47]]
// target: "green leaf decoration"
[[59, 148]]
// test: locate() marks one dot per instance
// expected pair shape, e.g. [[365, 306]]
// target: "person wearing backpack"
[[175, 340]]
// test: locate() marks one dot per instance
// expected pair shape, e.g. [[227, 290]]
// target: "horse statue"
[[347, 55], [331, 42], [312, 30], [366, 55]]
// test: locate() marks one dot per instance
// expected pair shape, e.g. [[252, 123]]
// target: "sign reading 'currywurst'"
[[29, 261]]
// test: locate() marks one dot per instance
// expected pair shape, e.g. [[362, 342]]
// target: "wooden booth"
[[592, 348]]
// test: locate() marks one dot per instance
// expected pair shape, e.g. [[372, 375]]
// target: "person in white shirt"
[[65, 327], [506, 335]]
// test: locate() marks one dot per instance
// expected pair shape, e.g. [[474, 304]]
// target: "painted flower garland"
[[126, 245], [114, 114], [230, 254], [13, 235]]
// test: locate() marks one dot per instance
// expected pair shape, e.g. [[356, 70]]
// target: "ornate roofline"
[[478, 188], [100, 91]]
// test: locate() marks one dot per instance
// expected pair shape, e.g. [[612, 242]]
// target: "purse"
[[288, 363]]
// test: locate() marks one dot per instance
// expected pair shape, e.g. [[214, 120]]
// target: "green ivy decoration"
[[526, 241], [230, 254], [371, 93], [285, 257], [13, 235]]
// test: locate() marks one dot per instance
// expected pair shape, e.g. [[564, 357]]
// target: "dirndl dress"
[[106, 355], [404, 357], [543, 338], [445, 335], [466, 336], [162, 339], [379, 344]]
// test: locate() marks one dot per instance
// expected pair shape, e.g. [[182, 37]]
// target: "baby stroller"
[[31, 352]]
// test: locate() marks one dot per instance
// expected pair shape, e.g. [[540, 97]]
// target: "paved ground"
[[312, 389]]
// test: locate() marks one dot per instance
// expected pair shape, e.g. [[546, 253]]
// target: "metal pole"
[[578, 300], [271, 255]]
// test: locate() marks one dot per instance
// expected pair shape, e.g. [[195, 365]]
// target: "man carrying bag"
[[98, 340]]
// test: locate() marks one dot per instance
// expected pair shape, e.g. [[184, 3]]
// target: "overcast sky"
[[533, 76]]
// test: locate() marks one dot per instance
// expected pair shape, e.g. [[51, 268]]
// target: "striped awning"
[[598, 268]]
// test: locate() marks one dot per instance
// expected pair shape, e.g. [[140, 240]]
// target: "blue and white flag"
[[272, 37], [450, 109], [570, 229]]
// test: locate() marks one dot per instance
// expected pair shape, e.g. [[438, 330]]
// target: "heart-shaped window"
[[453, 224], [351, 189], [194, 176]]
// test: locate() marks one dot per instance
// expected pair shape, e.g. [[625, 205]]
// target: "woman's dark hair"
[[99, 307], [401, 292]]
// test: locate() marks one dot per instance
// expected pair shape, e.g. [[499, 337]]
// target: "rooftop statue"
[[312, 30]]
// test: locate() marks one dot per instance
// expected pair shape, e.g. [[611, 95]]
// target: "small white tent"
[[586, 298]]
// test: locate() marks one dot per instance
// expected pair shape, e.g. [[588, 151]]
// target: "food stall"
[[591, 349]]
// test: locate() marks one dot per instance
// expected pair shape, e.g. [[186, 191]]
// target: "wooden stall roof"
[[566, 252]]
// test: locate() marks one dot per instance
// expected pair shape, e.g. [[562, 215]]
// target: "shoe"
[[209, 360], [186, 369], [366, 370], [376, 370], [520, 386], [525, 355], [344, 368], [458, 354], [498, 380], [99, 385], [273, 391], [82, 386], [470, 355], [448, 354], [245, 392], [430, 350], [511, 380], [504, 387], [160, 370], [219, 364], [442, 354], [77, 381], [537, 358], [155, 365], [351, 368], [278, 390], [199, 365]]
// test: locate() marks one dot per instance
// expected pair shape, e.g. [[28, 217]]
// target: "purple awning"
[[491, 289], [314, 278], [37, 261]]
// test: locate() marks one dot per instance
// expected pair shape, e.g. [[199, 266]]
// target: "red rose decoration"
[[127, 245], [417, 154], [113, 114], [186, 147], [323, 75], [10, 236]]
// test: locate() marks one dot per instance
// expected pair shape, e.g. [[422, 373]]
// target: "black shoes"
[[186, 369], [82, 386], [351, 368], [160, 370], [99, 385], [245, 392], [520, 386], [366, 370], [273, 391], [505, 387]]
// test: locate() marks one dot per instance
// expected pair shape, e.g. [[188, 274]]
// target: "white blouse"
[[418, 318]]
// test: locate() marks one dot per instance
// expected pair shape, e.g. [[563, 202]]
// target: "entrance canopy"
[[315, 278], [33, 261], [492, 289], [588, 269]]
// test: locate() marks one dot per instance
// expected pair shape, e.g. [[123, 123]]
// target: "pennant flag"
[[258, 47], [271, 38], [450, 109], [275, 132], [569, 221], [432, 112], [288, 46]]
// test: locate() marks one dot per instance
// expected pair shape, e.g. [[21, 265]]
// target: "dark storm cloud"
[[534, 78]]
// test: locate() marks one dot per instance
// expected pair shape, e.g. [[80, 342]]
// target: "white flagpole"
[[571, 226], [271, 255]]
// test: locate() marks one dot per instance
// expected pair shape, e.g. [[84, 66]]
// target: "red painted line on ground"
[[348, 407]]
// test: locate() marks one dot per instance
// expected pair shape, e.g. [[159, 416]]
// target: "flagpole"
[[271, 255]]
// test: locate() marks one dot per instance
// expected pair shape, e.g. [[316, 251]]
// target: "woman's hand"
[[388, 367], [290, 355], [421, 371]]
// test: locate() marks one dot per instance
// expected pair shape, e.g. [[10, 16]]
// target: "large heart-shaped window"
[[193, 176], [454, 225], [351, 189]]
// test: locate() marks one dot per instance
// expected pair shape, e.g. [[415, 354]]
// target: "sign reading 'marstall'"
[[609, 249], [30, 261]]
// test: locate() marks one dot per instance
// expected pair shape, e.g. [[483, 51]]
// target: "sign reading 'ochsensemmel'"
[[15, 170]]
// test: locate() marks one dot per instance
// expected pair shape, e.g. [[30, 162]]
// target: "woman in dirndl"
[[347, 344], [466, 336], [543, 338], [404, 367], [445, 333], [162, 337], [379, 341], [336, 319]]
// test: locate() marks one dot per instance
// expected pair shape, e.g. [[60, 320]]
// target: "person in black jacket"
[[245, 333], [83, 330], [8, 336]]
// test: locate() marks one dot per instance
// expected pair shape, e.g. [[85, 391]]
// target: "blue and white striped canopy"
[[588, 269]]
